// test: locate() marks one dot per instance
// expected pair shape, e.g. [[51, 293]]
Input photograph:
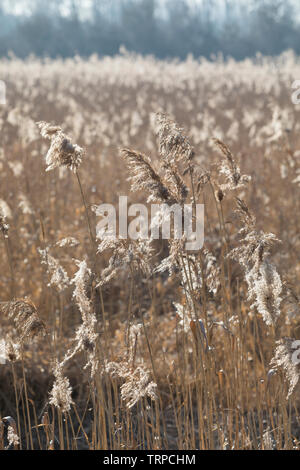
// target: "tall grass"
[[142, 344]]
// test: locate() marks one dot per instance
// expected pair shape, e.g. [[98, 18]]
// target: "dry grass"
[[127, 344]]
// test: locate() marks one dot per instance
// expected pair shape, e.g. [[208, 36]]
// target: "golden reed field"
[[139, 343]]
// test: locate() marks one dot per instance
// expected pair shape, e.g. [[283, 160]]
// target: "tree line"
[[168, 29]]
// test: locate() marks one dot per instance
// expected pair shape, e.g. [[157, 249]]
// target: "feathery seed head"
[[26, 318], [61, 393], [173, 144], [145, 177], [283, 359], [62, 151]]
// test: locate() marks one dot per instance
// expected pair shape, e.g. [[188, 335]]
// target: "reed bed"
[[143, 344]]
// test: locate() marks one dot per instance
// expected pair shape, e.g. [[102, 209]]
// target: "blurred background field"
[[179, 359]]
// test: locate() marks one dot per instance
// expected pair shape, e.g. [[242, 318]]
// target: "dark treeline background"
[[164, 28]]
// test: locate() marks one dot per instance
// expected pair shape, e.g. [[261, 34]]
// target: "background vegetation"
[[165, 29]]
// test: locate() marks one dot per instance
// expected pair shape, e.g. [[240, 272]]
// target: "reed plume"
[[26, 319], [283, 359], [62, 151], [144, 177]]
